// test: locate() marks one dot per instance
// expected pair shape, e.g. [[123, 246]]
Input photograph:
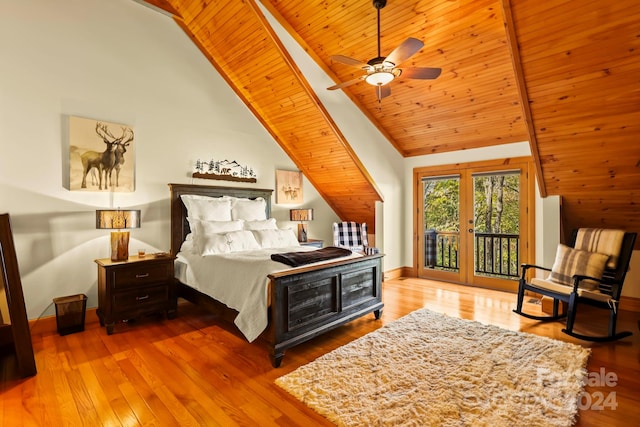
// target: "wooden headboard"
[[179, 223]]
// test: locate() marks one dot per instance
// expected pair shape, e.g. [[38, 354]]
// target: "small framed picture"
[[288, 187]]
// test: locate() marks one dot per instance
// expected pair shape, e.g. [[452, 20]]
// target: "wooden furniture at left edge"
[[304, 303], [16, 332]]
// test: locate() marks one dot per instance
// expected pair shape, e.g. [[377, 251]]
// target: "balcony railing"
[[495, 254]]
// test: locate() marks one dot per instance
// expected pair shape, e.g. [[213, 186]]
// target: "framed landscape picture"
[[288, 187], [101, 156]]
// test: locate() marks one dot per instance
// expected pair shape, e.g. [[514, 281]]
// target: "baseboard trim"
[[630, 304], [626, 303], [394, 274], [47, 325]]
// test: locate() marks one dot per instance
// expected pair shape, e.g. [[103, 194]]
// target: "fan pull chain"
[[378, 37]]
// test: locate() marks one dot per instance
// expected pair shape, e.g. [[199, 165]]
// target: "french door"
[[473, 222]]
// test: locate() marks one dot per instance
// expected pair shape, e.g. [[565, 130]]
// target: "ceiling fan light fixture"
[[379, 78], [382, 70]]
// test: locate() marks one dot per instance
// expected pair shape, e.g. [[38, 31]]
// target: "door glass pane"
[[441, 219], [497, 224]]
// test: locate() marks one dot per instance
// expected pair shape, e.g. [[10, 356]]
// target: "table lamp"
[[118, 220], [301, 215]]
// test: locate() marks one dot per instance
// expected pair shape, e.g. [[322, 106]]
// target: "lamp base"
[[119, 245], [302, 232]]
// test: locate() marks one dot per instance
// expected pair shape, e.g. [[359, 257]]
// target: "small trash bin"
[[70, 312]]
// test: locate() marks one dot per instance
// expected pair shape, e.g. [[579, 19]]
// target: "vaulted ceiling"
[[563, 75]]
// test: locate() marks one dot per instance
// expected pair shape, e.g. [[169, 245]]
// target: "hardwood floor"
[[195, 370]]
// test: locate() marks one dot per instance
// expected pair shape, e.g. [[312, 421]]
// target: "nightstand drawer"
[[143, 274], [141, 299]]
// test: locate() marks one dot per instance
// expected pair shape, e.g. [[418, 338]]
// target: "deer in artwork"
[[105, 161], [121, 148]]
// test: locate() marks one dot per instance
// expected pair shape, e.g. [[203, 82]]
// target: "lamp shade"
[[117, 219], [301, 214]]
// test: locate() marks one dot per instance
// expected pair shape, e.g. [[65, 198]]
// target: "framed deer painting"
[[288, 187], [101, 156]]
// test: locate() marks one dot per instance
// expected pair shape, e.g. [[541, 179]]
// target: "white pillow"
[[276, 238], [199, 226], [265, 224], [222, 243], [248, 209], [209, 208], [188, 246]]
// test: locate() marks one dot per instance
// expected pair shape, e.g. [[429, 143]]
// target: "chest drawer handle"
[[142, 276], [142, 298]]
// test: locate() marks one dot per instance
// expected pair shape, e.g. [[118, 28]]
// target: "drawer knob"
[[142, 276], [142, 298]]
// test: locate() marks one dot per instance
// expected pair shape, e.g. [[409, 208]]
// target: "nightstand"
[[313, 242], [133, 288]]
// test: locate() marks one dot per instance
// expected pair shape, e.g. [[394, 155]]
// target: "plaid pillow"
[[350, 234], [570, 262]]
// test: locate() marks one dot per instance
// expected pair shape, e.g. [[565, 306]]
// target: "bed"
[[301, 302]]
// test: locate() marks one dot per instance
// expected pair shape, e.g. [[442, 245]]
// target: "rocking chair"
[[591, 271]]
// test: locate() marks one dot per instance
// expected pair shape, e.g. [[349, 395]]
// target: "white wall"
[[122, 62]]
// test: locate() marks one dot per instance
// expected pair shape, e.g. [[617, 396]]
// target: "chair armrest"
[[577, 278], [525, 267]]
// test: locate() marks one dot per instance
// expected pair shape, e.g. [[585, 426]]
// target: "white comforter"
[[238, 280]]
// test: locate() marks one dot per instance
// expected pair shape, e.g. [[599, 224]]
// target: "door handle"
[[471, 230]]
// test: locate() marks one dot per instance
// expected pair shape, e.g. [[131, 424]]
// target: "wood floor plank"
[[199, 370]]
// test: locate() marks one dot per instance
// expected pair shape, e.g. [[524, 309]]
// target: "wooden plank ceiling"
[[560, 74], [581, 65]]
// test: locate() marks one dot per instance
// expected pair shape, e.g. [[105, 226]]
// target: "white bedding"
[[238, 280]]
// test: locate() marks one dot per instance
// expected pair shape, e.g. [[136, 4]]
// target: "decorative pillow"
[[249, 209], [276, 238], [199, 226], [265, 224], [208, 208], [221, 243], [602, 240], [571, 261]]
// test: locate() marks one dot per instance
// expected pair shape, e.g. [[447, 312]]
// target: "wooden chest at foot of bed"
[[308, 303]]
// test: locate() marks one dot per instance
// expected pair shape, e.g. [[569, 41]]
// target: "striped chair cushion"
[[601, 240], [571, 261], [548, 285]]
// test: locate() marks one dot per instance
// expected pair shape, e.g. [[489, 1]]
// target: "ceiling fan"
[[382, 70]]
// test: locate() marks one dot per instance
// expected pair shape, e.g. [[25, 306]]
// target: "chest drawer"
[[141, 275], [141, 299]]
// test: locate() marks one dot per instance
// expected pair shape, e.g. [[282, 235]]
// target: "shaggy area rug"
[[431, 369]]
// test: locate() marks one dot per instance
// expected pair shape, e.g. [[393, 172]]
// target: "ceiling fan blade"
[[347, 83], [383, 92], [406, 50], [424, 73], [348, 61]]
